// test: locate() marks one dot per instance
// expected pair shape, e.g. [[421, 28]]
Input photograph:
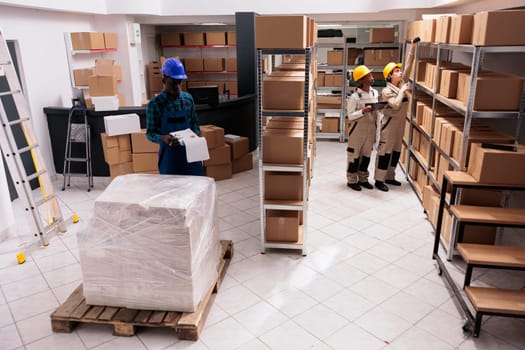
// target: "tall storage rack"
[[341, 89], [425, 161], [301, 206]]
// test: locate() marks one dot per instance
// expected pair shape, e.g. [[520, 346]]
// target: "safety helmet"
[[359, 72], [173, 68], [390, 67]]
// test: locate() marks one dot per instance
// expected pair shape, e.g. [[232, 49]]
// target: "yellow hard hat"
[[390, 67], [359, 72]]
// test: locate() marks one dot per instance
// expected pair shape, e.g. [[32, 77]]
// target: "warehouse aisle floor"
[[368, 281]]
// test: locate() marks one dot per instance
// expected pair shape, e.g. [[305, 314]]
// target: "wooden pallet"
[[187, 325]]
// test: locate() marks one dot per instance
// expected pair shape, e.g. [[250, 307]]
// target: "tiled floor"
[[368, 281]]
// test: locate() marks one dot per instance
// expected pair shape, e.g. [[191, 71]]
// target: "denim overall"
[[172, 160]]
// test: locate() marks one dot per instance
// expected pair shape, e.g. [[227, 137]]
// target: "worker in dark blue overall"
[[172, 110]]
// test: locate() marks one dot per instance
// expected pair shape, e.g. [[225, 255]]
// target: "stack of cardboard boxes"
[[219, 166], [145, 154]]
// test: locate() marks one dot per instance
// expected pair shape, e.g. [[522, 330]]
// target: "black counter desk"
[[236, 116]]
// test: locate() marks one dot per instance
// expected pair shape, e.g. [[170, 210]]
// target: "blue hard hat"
[[173, 68]]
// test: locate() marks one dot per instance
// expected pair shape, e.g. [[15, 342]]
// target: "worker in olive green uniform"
[[361, 129], [393, 122]]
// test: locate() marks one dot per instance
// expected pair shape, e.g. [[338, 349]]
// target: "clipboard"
[[377, 105]]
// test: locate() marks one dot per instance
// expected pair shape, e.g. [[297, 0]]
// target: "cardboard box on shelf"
[[213, 64], [378, 57], [330, 124], [281, 32], [193, 39], [321, 78], [87, 41], [231, 64], [442, 29], [428, 29], [194, 64], [102, 85], [282, 225], [141, 144], [215, 38], [286, 93], [498, 28], [231, 86], [461, 29], [231, 38], [170, 39], [477, 136], [283, 146], [281, 185], [449, 83], [110, 40], [489, 164], [333, 79], [382, 35], [494, 91], [334, 57], [243, 163]]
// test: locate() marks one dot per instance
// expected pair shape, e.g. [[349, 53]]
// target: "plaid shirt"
[[163, 102]]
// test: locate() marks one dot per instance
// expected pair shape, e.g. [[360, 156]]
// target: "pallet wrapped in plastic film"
[[152, 243]]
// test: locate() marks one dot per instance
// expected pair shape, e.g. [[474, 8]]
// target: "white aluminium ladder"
[[14, 150]]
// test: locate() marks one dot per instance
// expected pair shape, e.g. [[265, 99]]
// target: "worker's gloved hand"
[[404, 87], [169, 140]]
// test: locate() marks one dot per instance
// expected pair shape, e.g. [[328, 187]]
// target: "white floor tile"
[[353, 337], [292, 302], [56, 261], [407, 307], [289, 336], [188, 345], [33, 305], [157, 338], [487, 342], [322, 288], [35, 328], [321, 321], [93, 335], [225, 335], [260, 318], [367, 262], [396, 276], [9, 338], [64, 275], [255, 344], [236, 299], [122, 343], [383, 324], [24, 288], [60, 341], [444, 326], [344, 274], [348, 304], [374, 289], [417, 339]]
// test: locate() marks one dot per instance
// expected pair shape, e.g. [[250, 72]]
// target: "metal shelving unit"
[[443, 51], [301, 168]]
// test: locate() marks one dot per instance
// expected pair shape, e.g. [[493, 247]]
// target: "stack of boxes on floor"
[[495, 91], [229, 154], [103, 78], [283, 138]]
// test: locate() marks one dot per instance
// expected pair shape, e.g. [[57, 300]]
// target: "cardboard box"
[[110, 40], [102, 85], [219, 155], [494, 91], [231, 86], [215, 38], [87, 41], [283, 146], [219, 172], [448, 85], [145, 162], [498, 28], [334, 57], [243, 163], [170, 39], [231, 64], [330, 124], [333, 80], [286, 93], [442, 29], [81, 76], [239, 147], [122, 124], [120, 169], [282, 225], [428, 30], [141, 144], [231, 38], [352, 55], [477, 136], [378, 57], [461, 29], [321, 78], [193, 39], [213, 134], [285, 186], [213, 64], [281, 32], [382, 35], [194, 64], [489, 164]]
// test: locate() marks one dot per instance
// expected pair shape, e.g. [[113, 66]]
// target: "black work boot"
[[393, 182], [380, 185], [366, 184], [355, 187]]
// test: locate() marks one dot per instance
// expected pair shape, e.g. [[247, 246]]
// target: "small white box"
[[122, 124], [105, 103], [231, 138]]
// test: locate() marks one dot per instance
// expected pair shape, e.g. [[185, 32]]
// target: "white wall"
[[43, 58]]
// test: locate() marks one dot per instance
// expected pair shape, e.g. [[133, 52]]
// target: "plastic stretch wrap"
[[152, 243]]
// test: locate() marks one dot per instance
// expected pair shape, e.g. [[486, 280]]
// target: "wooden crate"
[[187, 325]]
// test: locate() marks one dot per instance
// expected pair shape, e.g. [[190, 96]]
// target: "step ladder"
[[45, 212], [78, 132]]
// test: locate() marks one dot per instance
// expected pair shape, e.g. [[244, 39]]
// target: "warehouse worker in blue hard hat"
[[362, 127], [393, 122], [172, 110]]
